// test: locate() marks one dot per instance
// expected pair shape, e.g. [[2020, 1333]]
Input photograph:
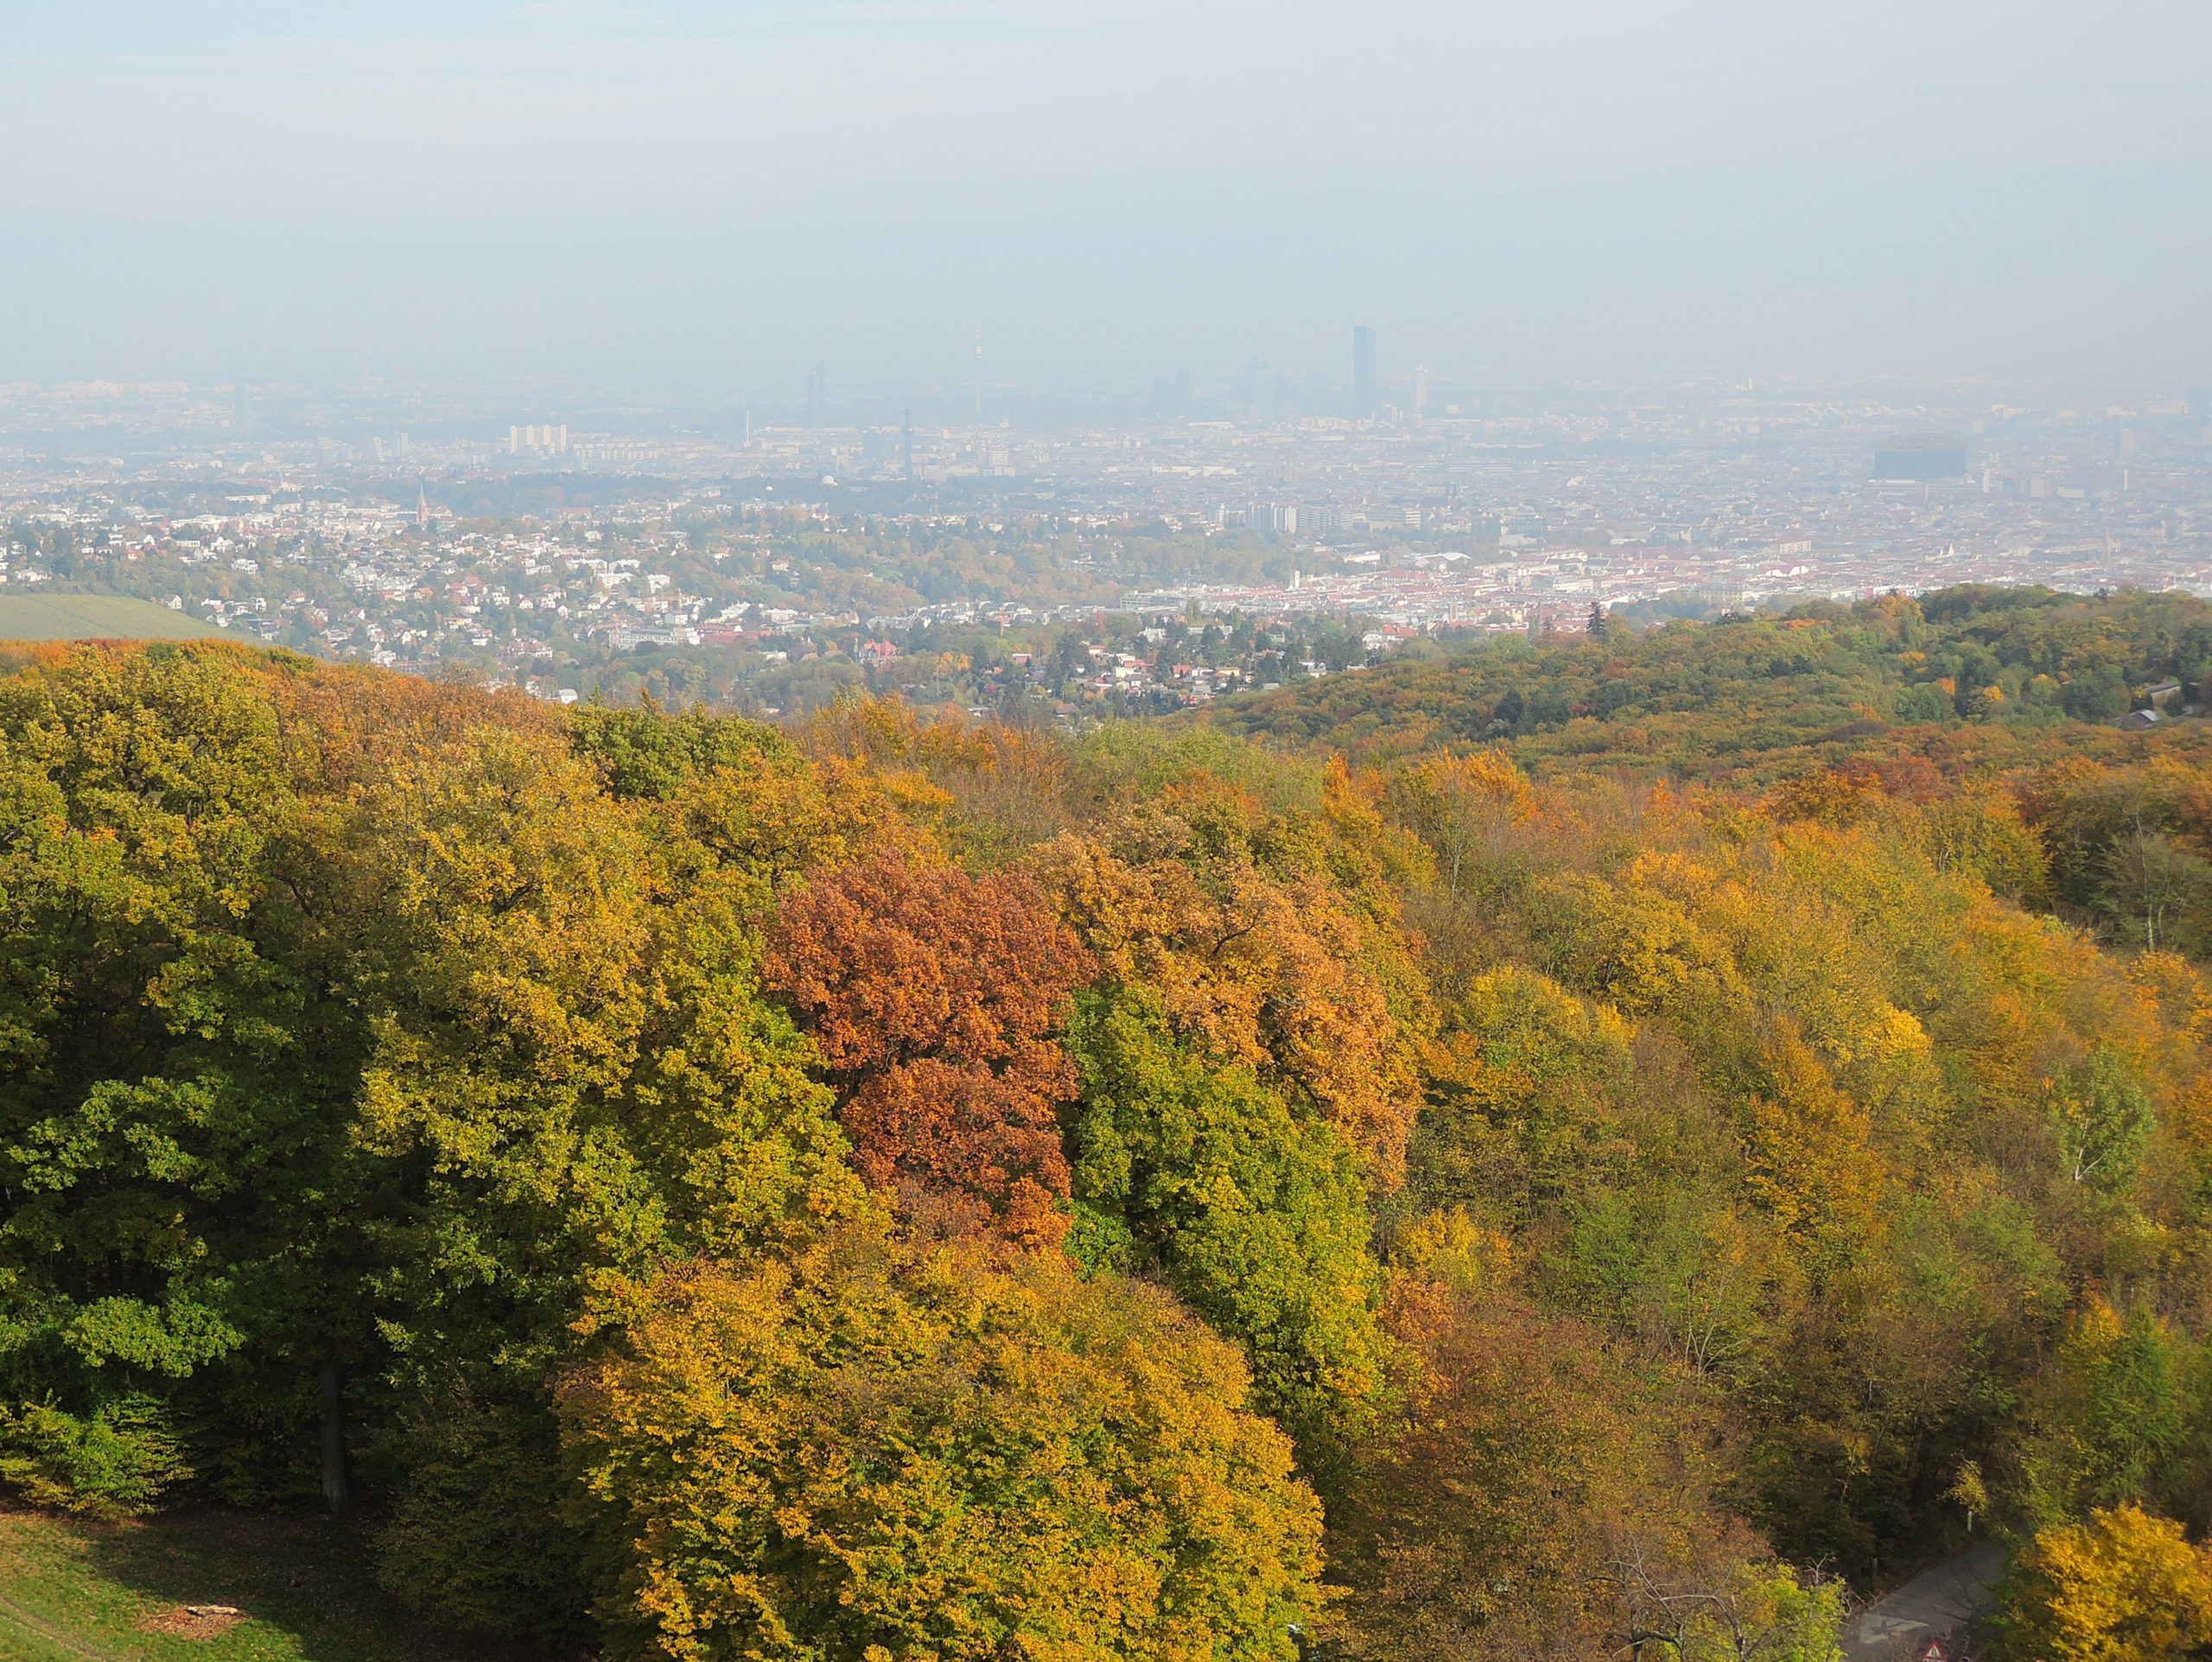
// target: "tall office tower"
[[907, 442], [1421, 390], [1363, 370], [817, 391], [241, 414], [548, 438]]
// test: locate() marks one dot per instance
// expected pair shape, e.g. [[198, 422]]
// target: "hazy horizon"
[[715, 198]]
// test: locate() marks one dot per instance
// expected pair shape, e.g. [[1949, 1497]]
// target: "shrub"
[[115, 1464]]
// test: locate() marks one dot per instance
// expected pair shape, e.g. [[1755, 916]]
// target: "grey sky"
[[709, 194]]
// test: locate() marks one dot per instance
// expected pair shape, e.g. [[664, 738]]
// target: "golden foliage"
[[874, 1450], [1255, 950], [2123, 1587]]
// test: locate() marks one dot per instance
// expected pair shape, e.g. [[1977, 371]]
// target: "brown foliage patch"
[[934, 996]]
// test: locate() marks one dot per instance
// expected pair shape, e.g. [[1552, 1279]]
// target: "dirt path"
[[13, 1615]]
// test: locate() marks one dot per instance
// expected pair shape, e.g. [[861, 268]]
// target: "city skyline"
[[259, 513]]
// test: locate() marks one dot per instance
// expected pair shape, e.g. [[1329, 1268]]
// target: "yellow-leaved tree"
[[2124, 1586], [884, 1449]]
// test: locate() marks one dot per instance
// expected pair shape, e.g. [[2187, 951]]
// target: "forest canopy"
[[1966, 677], [888, 1187]]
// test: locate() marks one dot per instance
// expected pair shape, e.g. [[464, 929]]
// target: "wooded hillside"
[[1969, 677], [889, 1189]]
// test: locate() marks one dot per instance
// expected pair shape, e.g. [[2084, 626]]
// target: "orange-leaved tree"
[[934, 997]]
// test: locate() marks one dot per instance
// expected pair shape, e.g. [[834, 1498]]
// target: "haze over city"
[[711, 200], [760, 353]]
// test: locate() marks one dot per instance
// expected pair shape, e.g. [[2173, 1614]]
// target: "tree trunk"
[[335, 1498]]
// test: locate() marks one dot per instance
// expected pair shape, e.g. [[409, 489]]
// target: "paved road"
[[1928, 1607]]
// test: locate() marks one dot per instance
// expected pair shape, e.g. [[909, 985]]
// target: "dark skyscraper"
[[1363, 370]]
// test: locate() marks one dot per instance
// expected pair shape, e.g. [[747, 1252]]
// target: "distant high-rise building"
[[907, 442], [552, 439], [1363, 397], [818, 393], [241, 414], [1421, 390]]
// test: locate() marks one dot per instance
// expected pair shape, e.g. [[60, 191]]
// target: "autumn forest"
[[1621, 1146]]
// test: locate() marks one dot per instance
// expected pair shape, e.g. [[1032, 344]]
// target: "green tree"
[[578, 1078], [1255, 1215], [2112, 1420], [2155, 890], [1761, 1612], [2102, 1120], [182, 1219], [2097, 694]]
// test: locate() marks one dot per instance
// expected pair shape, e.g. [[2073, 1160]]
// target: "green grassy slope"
[[76, 1591], [93, 616]]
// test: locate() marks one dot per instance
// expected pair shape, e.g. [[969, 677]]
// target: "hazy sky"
[[719, 194]]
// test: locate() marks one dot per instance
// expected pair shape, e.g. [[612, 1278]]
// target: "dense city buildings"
[[1220, 543]]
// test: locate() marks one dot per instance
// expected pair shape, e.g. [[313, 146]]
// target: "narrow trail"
[[12, 1616]]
